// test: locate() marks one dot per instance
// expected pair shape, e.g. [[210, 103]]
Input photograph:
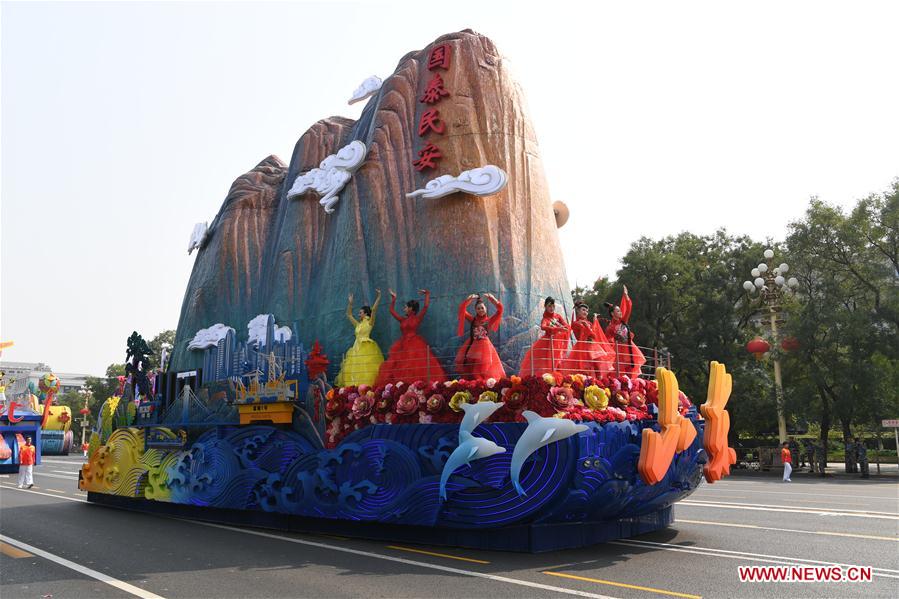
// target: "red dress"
[[547, 353], [410, 359], [628, 357], [592, 354], [477, 358]]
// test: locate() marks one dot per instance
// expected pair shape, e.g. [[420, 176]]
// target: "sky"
[[123, 124]]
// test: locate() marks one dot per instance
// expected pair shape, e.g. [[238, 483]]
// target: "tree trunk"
[[849, 460], [825, 430]]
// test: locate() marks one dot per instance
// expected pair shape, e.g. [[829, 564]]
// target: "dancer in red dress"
[[547, 353], [591, 355], [628, 359], [410, 359], [477, 358]]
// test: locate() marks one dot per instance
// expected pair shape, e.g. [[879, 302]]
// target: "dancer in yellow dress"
[[362, 361]]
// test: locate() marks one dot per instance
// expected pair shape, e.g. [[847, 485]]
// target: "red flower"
[[435, 403], [407, 403], [361, 406], [561, 397]]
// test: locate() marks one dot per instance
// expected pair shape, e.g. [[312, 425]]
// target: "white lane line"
[[14, 488], [812, 511], [744, 555], [808, 532], [408, 562], [766, 492], [69, 472], [70, 477], [113, 582], [765, 488], [795, 507], [52, 461]]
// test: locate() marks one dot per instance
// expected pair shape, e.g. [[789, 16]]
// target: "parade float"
[[292, 401], [23, 418]]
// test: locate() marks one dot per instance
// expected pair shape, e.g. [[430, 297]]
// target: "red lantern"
[[317, 362], [790, 344], [84, 411], [758, 347]]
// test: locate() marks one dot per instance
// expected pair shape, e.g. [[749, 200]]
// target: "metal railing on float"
[[437, 364]]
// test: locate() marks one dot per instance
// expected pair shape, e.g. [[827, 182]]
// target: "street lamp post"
[[770, 285], [85, 412]]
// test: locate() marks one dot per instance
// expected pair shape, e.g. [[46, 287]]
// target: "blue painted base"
[[527, 538]]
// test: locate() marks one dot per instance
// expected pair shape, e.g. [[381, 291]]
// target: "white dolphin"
[[476, 413], [470, 448], [540, 432]]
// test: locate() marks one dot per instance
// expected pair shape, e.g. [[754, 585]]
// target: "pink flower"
[[424, 418], [561, 397], [407, 403], [491, 382], [361, 406], [435, 403]]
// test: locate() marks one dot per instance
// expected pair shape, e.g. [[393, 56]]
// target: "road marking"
[[52, 461], [408, 562], [746, 556], [113, 582], [762, 487], [56, 490], [813, 511], [13, 552], [446, 555], [70, 477], [69, 472], [810, 532], [766, 492], [623, 585], [13, 487]]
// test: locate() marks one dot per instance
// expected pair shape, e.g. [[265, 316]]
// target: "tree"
[[688, 300], [164, 340], [845, 316]]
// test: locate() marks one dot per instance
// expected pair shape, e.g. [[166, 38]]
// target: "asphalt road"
[[55, 544]]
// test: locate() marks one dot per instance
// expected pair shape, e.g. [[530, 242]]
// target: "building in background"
[[21, 373]]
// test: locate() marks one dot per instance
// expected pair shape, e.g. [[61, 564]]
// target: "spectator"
[[861, 453], [787, 460], [26, 464]]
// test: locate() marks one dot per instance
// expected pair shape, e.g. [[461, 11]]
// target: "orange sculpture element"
[[717, 425], [677, 434]]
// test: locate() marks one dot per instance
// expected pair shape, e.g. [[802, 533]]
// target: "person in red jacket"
[[26, 464], [787, 458]]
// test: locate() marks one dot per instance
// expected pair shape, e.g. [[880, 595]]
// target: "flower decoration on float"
[[459, 398]]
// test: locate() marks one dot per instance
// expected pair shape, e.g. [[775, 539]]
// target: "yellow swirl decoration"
[[122, 467]]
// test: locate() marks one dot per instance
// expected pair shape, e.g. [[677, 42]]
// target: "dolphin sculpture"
[[470, 448], [476, 413], [540, 432]]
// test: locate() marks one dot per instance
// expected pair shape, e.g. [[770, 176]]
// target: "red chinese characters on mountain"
[[427, 157], [430, 121], [434, 91]]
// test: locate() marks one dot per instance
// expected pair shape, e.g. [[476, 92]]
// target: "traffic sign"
[[893, 423]]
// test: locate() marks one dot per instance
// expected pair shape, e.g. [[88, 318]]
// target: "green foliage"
[[166, 340], [845, 313]]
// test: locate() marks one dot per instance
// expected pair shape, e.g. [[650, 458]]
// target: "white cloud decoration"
[[333, 173], [198, 237], [256, 331], [366, 89], [209, 337], [482, 181]]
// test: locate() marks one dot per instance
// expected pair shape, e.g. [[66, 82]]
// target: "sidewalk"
[[835, 470]]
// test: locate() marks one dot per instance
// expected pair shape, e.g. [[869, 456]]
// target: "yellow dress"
[[362, 361]]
